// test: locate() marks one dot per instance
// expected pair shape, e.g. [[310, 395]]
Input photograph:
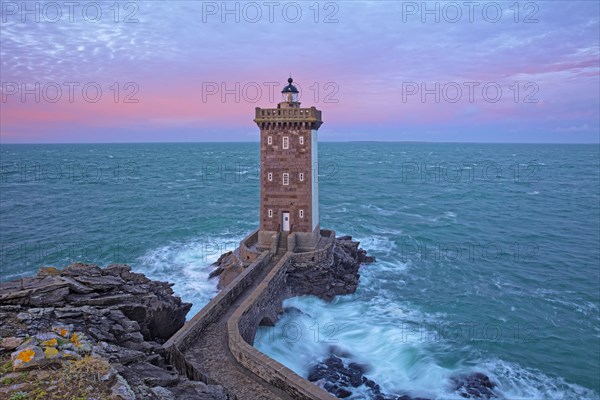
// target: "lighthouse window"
[[270, 140], [270, 176], [301, 212], [286, 178], [286, 142], [301, 176], [270, 213], [301, 139]]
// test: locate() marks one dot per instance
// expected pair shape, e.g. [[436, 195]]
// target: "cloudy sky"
[[383, 70]]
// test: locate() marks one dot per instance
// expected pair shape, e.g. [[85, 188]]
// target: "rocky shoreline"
[[341, 377], [326, 283], [338, 374], [111, 323], [109, 314]]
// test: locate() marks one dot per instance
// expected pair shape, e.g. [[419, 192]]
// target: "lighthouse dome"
[[289, 88]]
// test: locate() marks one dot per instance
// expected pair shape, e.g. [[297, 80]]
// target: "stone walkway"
[[210, 354]]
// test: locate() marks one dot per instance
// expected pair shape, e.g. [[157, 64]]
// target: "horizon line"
[[321, 141]]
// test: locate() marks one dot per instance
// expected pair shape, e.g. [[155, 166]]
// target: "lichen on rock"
[[60, 317]]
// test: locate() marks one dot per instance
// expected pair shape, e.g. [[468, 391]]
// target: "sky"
[[172, 71]]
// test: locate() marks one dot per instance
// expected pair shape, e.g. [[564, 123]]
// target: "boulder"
[[227, 268], [10, 343], [341, 378], [475, 385], [150, 375], [28, 358]]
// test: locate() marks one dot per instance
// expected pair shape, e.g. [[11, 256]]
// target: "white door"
[[286, 221]]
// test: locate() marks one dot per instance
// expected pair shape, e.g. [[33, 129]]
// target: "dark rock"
[[67, 312], [21, 292], [104, 301], [80, 299], [126, 356], [101, 334], [116, 269], [228, 267], [329, 278], [81, 269], [75, 286], [100, 283], [55, 297], [474, 386], [198, 390], [339, 378], [216, 272], [150, 375], [134, 289]]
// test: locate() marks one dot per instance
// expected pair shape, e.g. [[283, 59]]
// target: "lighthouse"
[[289, 187]]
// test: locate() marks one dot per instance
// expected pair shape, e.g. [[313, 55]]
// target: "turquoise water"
[[488, 254]]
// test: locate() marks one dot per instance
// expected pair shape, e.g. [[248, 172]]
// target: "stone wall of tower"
[[294, 160]]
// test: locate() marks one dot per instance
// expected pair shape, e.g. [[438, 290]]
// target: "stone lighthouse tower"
[[289, 191]]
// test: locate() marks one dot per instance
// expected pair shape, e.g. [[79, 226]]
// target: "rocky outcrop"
[[118, 315], [342, 377], [122, 295], [227, 268], [474, 386], [331, 277], [325, 278]]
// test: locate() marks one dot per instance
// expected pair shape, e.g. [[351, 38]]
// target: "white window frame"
[[286, 142], [270, 176], [286, 179], [270, 140], [301, 139], [301, 213], [301, 176], [270, 213]]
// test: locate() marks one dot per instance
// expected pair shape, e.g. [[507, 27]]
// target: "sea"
[[488, 255]]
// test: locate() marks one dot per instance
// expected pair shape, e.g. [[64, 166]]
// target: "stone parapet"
[[263, 305], [179, 342]]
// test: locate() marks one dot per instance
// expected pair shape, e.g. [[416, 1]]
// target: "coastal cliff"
[[109, 324]]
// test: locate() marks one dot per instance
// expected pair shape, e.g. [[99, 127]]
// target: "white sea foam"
[[378, 210], [516, 382], [400, 345], [188, 265], [378, 245]]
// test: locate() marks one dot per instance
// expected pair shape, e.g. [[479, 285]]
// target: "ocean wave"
[[518, 383], [188, 266], [403, 348]]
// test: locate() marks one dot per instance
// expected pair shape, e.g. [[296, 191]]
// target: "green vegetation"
[[71, 380]]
